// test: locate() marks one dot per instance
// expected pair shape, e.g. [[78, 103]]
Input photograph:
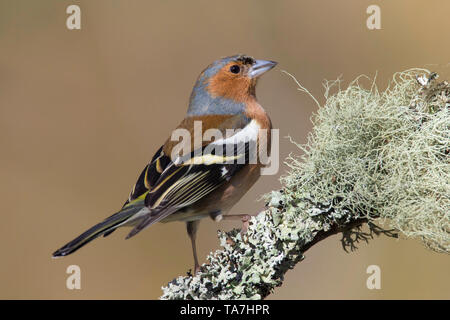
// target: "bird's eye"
[[235, 68]]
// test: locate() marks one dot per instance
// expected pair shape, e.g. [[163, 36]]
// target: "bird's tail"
[[105, 227]]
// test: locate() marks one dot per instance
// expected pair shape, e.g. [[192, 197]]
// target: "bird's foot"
[[245, 218], [245, 223]]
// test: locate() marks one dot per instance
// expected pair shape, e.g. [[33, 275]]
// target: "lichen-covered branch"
[[372, 157]]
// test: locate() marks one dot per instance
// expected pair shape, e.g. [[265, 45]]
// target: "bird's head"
[[227, 84]]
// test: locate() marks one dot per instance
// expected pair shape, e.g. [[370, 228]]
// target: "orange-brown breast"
[[256, 112]]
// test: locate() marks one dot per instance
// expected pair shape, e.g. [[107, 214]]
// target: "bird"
[[197, 178]]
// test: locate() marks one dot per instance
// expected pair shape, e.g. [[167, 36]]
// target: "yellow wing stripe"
[[147, 185], [134, 201], [158, 166], [164, 181], [181, 194], [211, 159], [171, 188]]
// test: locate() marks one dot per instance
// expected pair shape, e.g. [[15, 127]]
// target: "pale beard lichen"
[[372, 156], [383, 155]]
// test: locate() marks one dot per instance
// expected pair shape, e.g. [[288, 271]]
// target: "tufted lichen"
[[372, 156]]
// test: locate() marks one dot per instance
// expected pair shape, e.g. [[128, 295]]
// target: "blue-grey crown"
[[202, 103]]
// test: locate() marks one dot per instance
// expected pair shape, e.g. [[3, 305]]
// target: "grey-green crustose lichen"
[[379, 156]]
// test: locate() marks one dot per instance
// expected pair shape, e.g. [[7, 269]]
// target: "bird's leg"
[[245, 218], [192, 227]]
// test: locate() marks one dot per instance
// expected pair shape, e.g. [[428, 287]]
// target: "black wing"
[[188, 179], [148, 177]]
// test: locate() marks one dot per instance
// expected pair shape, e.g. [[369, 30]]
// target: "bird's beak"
[[260, 67]]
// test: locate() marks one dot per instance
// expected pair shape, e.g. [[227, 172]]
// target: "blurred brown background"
[[82, 111]]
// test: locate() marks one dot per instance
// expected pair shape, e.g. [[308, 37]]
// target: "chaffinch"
[[190, 180]]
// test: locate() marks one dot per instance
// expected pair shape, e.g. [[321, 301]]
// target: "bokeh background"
[[82, 111]]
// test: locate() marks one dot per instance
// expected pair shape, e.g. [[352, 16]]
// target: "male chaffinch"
[[203, 179]]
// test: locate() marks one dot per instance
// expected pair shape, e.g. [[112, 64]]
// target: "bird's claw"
[[245, 223]]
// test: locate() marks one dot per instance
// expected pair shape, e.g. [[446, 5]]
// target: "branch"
[[371, 157], [253, 264]]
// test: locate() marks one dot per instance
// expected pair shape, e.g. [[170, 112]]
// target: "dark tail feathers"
[[105, 227]]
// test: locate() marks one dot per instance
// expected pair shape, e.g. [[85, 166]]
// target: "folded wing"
[[189, 178]]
